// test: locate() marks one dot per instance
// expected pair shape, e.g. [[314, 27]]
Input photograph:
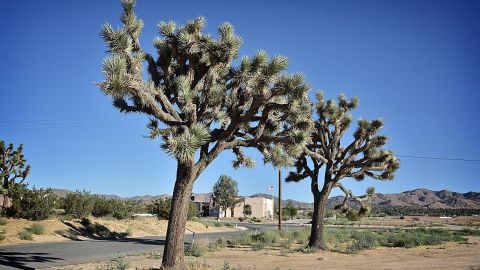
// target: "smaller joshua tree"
[[13, 168], [363, 157]]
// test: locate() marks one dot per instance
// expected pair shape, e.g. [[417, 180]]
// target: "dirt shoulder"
[[447, 256], [138, 227]]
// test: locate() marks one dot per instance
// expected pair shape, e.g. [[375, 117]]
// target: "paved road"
[[42, 255]]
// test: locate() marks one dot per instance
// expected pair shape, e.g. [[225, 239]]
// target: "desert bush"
[[227, 266], [353, 215], [37, 229], [361, 240], [3, 221], [115, 264], [267, 237], [79, 204], [244, 239], [196, 265], [103, 207], [2, 237], [242, 219], [300, 236], [258, 246], [32, 204], [255, 219], [160, 208], [195, 249], [25, 235], [217, 245]]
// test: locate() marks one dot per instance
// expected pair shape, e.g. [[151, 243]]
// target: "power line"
[[440, 158]]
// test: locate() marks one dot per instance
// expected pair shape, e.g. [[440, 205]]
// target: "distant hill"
[[418, 198], [145, 198]]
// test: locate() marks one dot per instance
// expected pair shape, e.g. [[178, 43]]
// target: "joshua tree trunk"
[[319, 209], [173, 254]]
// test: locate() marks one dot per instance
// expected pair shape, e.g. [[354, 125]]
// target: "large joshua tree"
[[200, 104], [362, 157]]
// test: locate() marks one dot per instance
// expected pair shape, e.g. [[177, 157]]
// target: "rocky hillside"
[[418, 198]]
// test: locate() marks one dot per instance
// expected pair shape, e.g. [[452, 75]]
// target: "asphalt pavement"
[[43, 255]]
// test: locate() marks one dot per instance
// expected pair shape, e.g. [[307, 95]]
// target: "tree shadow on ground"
[[20, 260], [89, 230]]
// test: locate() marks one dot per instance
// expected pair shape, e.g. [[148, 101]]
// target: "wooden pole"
[[279, 199]]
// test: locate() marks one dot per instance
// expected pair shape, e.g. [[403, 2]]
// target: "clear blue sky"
[[414, 63]]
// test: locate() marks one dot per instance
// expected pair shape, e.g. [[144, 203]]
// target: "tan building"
[[261, 207]]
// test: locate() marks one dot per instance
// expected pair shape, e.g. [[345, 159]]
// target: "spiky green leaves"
[[279, 157], [193, 84], [117, 77], [117, 41], [186, 142], [242, 160]]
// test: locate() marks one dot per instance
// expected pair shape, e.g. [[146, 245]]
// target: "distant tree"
[[247, 210], [290, 211], [79, 204], [225, 192], [13, 169], [198, 100], [363, 157], [13, 166], [160, 208]]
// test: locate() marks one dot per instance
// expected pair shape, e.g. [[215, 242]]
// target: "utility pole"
[[279, 199]]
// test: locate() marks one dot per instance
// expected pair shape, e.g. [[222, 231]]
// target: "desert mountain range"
[[417, 198]]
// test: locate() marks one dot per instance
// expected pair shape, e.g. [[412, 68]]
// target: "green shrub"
[[258, 246], [195, 250], [34, 204], [160, 208], [255, 219], [79, 204], [115, 264], [119, 209], [301, 236], [2, 237], [25, 235], [226, 266], [195, 265], [37, 229], [3, 221], [242, 219], [245, 239], [286, 244], [267, 237], [217, 245], [217, 224]]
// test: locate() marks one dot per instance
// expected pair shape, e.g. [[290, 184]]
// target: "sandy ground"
[[447, 256], [145, 226]]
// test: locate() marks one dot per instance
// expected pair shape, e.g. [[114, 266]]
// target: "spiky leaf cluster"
[[13, 166], [363, 157], [197, 99]]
